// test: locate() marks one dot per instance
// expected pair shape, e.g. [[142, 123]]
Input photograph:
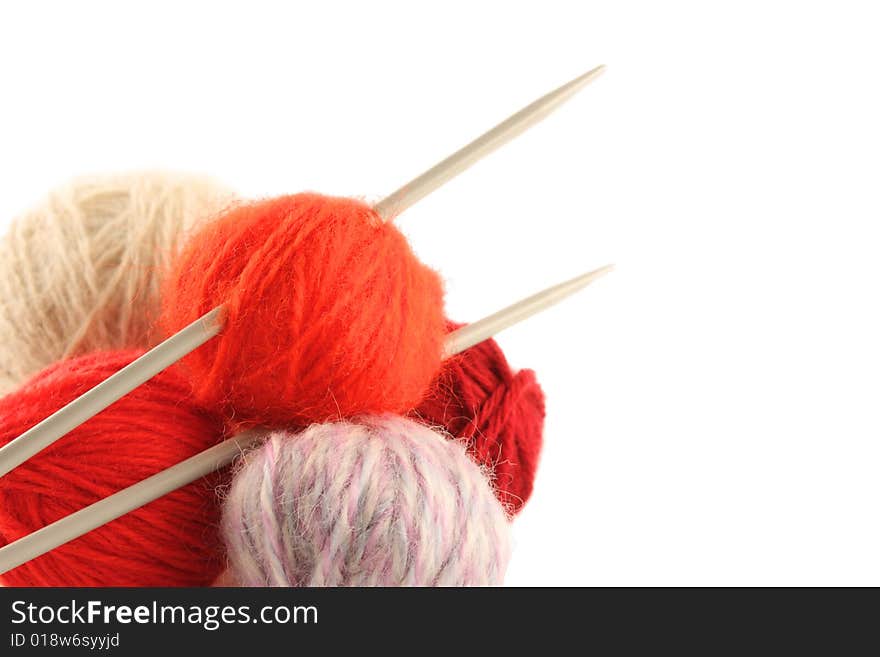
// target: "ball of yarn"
[[79, 272], [329, 313], [386, 502], [172, 541], [499, 413]]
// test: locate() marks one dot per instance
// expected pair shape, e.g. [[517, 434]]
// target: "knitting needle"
[[67, 418], [137, 495], [468, 336], [438, 175], [38, 437]]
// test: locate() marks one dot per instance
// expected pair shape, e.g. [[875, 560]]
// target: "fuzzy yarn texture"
[[329, 313], [172, 541], [384, 502], [79, 272], [497, 412]]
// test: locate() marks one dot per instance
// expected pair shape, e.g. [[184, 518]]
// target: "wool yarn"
[[497, 412], [80, 271], [329, 313], [172, 541], [382, 502]]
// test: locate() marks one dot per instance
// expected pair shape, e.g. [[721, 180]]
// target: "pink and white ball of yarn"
[[384, 501]]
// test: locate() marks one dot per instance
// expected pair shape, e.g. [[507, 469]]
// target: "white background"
[[713, 404]]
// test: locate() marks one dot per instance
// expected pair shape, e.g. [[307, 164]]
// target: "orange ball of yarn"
[[172, 541], [329, 313]]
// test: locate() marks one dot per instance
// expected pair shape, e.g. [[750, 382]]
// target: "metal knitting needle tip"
[[135, 496], [468, 336], [418, 188]]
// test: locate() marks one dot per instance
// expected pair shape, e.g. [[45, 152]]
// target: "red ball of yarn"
[[171, 541], [500, 413], [329, 313]]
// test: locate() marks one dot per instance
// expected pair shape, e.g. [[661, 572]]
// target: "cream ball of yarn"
[[80, 271]]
